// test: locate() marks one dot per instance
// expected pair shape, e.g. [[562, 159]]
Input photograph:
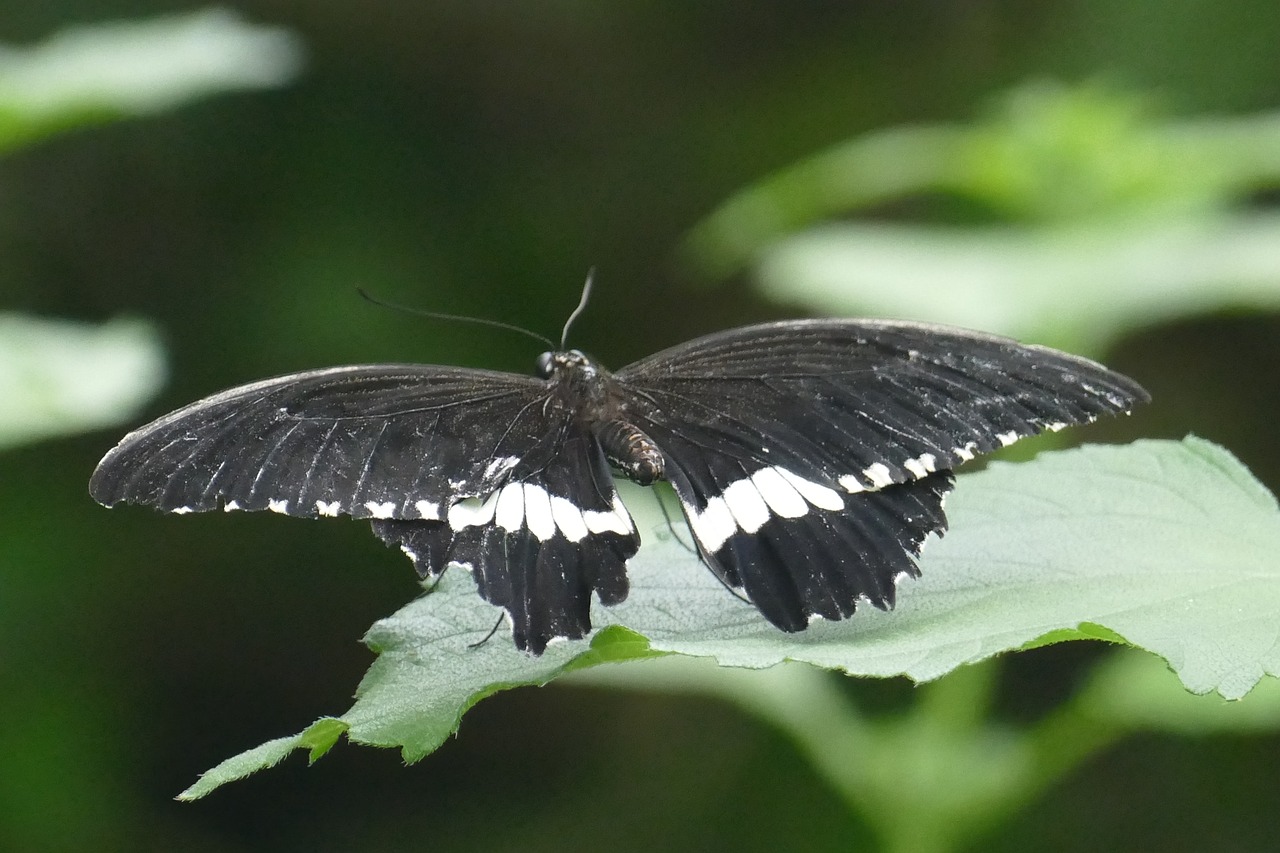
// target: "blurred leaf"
[[89, 74], [1104, 190], [59, 377], [860, 173], [1051, 153], [1072, 287], [1045, 153], [962, 769], [1170, 545], [1137, 691]]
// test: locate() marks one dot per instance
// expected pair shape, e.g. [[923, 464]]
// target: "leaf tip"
[[321, 736]]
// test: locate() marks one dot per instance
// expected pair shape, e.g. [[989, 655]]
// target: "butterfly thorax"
[[591, 392]]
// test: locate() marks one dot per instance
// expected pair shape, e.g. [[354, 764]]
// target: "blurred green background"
[[476, 158]]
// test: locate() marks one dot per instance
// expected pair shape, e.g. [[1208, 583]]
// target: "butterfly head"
[[551, 365]]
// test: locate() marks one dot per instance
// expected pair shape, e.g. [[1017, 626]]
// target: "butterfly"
[[811, 458]]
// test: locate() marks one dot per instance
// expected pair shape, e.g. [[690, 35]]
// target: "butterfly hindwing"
[[801, 547], [823, 563], [539, 546]]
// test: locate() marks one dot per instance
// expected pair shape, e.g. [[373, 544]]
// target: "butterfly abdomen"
[[631, 451]]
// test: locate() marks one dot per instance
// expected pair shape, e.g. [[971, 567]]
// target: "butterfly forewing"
[[866, 403], [381, 441]]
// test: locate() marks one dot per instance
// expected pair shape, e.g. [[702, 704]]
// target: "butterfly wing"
[[454, 466], [799, 546], [812, 457], [378, 441], [538, 547]]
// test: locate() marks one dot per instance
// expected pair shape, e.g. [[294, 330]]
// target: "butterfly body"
[[810, 458]]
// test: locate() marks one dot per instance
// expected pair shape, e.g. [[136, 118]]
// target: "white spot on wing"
[[922, 466], [537, 511], [1055, 426], [748, 508], [329, 508], [1007, 438], [966, 453], [278, 506], [427, 509], [749, 503], [472, 512], [714, 525], [851, 484], [182, 510], [816, 493], [231, 506], [779, 494], [509, 514], [603, 522], [616, 521], [569, 519], [381, 510], [409, 552], [879, 475]]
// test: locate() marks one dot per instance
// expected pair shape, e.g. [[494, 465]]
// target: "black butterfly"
[[811, 458]]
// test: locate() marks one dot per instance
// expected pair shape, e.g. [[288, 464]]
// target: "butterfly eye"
[[545, 365]]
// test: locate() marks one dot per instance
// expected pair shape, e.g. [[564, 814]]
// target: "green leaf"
[[318, 738], [1044, 154], [1083, 631], [1077, 287], [1172, 546], [1102, 217], [59, 377], [239, 766], [428, 674], [859, 173], [89, 74]]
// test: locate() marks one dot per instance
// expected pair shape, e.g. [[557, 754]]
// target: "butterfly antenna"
[[487, 637], [436, 315], [582, 304], [435, 581]]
